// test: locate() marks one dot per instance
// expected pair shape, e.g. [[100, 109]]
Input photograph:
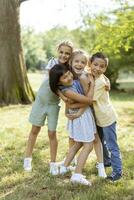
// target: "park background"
[[24, 53]]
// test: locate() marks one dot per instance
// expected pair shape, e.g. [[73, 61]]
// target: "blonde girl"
[[79, 61], [46, 105]]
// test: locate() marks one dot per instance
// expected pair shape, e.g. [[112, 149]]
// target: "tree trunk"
[[14, 85]]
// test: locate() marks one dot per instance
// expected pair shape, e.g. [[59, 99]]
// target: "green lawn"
[[15, 184]]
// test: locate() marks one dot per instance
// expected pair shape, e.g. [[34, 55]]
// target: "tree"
[[52, 37], [14, 85], [33, 48], [112, 33]]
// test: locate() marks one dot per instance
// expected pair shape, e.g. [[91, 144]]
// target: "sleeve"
[[98, 90], [64, 88], [51, 63]]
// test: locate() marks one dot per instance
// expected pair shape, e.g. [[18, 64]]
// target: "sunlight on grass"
[[17, 185]]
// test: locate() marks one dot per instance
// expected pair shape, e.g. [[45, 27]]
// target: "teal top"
[[45, 95]]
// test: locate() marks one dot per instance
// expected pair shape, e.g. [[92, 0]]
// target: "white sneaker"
[[60, 163], [74, 162], [27, 164], [101, 170], [79, 178], [64, 170], [54, 168]]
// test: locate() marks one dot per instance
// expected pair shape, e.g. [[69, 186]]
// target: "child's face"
[[64, 53], [66, 79], [98, 67], [78, 64]]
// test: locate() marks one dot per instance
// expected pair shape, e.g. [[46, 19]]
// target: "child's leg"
[[29, 149], [99, 154], [71, 142], [31, 140], [87, 148], [72, 152], [52, 117], [53, 145], [106, 155], [111, 139], [77, 177], [98, 149]]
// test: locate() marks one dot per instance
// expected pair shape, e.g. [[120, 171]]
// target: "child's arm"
[[91, 88], [85, 83], [76, 105], [62, 96], [107, 86], [87, 100], [76, 115]]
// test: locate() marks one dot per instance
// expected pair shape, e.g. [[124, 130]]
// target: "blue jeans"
[[111, 140], [106, 153]]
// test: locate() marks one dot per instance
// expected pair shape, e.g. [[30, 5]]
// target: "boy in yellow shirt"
[[105, 113]]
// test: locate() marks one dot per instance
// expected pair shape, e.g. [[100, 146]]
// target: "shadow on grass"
[[39, 184]]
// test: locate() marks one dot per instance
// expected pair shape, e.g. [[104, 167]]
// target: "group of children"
[[80, 82]]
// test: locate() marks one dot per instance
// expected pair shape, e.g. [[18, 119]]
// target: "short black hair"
[[99, 55], [54, 75]]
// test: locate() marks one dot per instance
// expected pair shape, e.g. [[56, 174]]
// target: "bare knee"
[[97, 139], [88, 146], [35, 130], [77, 145], [52, 135]]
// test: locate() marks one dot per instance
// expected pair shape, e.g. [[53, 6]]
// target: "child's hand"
[[107, 87], [65, 99], [73, 116], [69, 101], [91, 79], [107, 84]]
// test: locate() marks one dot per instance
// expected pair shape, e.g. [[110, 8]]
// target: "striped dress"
[[81, 129]]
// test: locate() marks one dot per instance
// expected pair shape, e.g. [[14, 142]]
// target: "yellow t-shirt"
[[104, 111]]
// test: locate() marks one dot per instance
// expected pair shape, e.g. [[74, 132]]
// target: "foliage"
[[33, 48], [40, 47], [53, 37], [112, 33]]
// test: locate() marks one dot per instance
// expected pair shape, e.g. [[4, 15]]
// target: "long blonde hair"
[[65, 43]]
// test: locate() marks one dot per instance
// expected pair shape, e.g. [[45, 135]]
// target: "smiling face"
[[64, 53], [79, 62], [66, 79], [98, 67]]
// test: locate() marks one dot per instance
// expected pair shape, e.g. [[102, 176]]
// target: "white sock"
[[100, 165], [28, 158]]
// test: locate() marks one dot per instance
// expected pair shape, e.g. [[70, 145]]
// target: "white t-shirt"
[[51, 63]]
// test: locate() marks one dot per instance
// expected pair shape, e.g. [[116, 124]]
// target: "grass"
[[15, 184]]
